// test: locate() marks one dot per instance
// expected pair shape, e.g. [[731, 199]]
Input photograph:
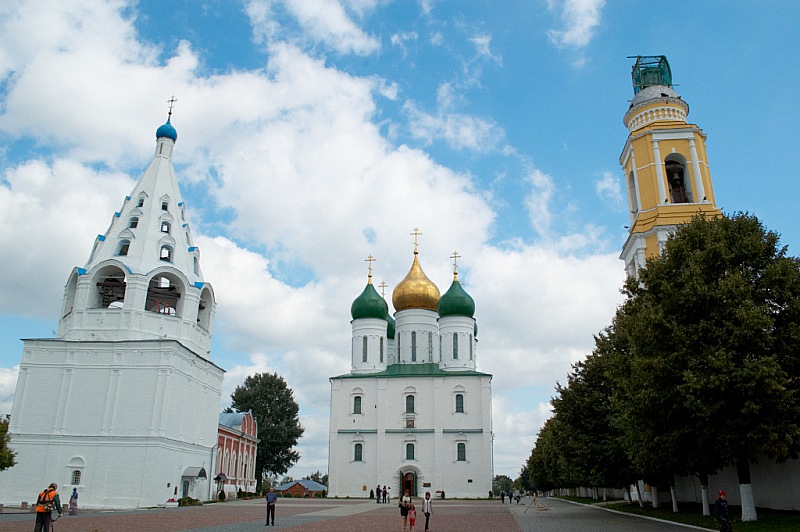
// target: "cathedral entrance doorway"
[[409, 482]]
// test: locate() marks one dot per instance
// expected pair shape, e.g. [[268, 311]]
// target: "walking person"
[[272, 498], [722, 513], [405, 506], [426, 509], [47, 502], [385, 494], [73, 502], [503, 497], [412, 517], [378, 494]]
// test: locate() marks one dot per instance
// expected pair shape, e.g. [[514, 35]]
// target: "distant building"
[[237, 444], [303, 488], [123, 403], [413, 413]]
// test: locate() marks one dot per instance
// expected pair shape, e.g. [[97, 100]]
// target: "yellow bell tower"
[[665, 163]]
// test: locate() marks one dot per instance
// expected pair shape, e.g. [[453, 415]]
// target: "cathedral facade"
[[122, 404], [413, 413]]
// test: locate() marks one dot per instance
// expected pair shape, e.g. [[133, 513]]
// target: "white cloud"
[[609, 190], [537, 201], [460, 131], [580, 19], [324, 21]]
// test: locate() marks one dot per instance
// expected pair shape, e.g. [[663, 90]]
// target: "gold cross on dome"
[[171, 103], [455, 256], [370, 259], [415, 233], [383, 286]]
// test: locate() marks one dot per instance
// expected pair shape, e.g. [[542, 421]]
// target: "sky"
[[313, 133]]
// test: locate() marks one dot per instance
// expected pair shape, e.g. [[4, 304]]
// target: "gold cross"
[[370, 259], [415, 233], [383, 286], [455, 256]]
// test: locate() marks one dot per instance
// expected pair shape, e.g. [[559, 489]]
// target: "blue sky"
[[314, 133]]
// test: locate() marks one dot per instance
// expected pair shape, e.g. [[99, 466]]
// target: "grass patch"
[[691, 514]]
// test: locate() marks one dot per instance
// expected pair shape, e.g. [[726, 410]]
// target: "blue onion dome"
[[390, 327], [369, 304], [168, 131], [456, 302]]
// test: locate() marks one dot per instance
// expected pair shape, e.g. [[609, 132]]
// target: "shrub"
[[221, 495], [188, 501], [371, 494], [287, 495], [442, 494], [298, 495], [239, 494]]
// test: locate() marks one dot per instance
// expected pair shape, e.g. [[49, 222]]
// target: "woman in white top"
[[405, 505], [426, 508]]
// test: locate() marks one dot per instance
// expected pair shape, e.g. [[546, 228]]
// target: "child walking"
[[412, 517]]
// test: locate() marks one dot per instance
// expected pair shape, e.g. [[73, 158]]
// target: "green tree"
[[502, 483], [713, 356], [273, 405], [547, 467], [6, 454]]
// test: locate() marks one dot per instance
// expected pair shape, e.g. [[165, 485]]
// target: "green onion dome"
[[456, 302], [369, 304], [390, 327]]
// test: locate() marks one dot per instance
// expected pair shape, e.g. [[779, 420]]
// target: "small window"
[[196, 266], [124, 246], [134, 223], [471, 344], [358, 452], [76, 477], [165, 227], [461, 452], [409, 451], [455, 347], [409, 404], [164, 205], [413, 346], [381, 349], [357, 404], [364, 349], [459, 403], [430, 346], [166, 254], [140, 203]]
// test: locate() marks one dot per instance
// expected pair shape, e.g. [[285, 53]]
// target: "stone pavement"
[[334, 515]]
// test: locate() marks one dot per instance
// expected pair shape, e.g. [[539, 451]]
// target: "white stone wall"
[[131, 416], [381, 429]]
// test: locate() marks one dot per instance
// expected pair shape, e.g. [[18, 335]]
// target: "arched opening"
[[165, 226], [163, 295], [358, 452], [461, 452], [204, 309], [69, 300], [409, 404], [110, 284], [680, 188], [123, 247], [460, 403], [133, 223], [357, 404], [165, 253]]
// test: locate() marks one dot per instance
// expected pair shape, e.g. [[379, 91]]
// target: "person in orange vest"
[[47, 502]]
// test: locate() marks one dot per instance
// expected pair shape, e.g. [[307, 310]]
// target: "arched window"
[[364, 349], [357, 404], [460, 403], [455, 347], [140, 203], [358, 450], [165, 227], [409, 451], [196, 266], [430, 346], [76, 477], [124, 246], [409, 404], [165, 205], [461, 452], [680, 189], [381, 349], [413, 346], [166, 253], [134, 222]]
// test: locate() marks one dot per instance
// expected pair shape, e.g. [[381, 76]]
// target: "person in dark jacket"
[[722, 513]]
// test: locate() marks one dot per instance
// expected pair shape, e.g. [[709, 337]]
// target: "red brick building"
[[237, 443], [304, 488]]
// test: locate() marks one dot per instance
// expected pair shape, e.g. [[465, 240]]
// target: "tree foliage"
[[700, 368], [276, 412], [6, 454]]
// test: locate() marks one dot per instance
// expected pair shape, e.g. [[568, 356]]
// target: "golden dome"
[[415, 290]]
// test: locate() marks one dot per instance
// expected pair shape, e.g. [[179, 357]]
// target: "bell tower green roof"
[[456, 302]]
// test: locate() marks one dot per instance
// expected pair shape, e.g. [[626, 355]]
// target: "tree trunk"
[[639, 495], [746, 490], [674, 499], [704, 493], [654, 496]]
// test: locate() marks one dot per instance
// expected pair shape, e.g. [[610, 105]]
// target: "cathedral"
[[123, 403], [413, 413]]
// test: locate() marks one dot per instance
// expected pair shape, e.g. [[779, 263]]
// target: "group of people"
[[382, 495], [49, 501], [511, 497], [408, 511]]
